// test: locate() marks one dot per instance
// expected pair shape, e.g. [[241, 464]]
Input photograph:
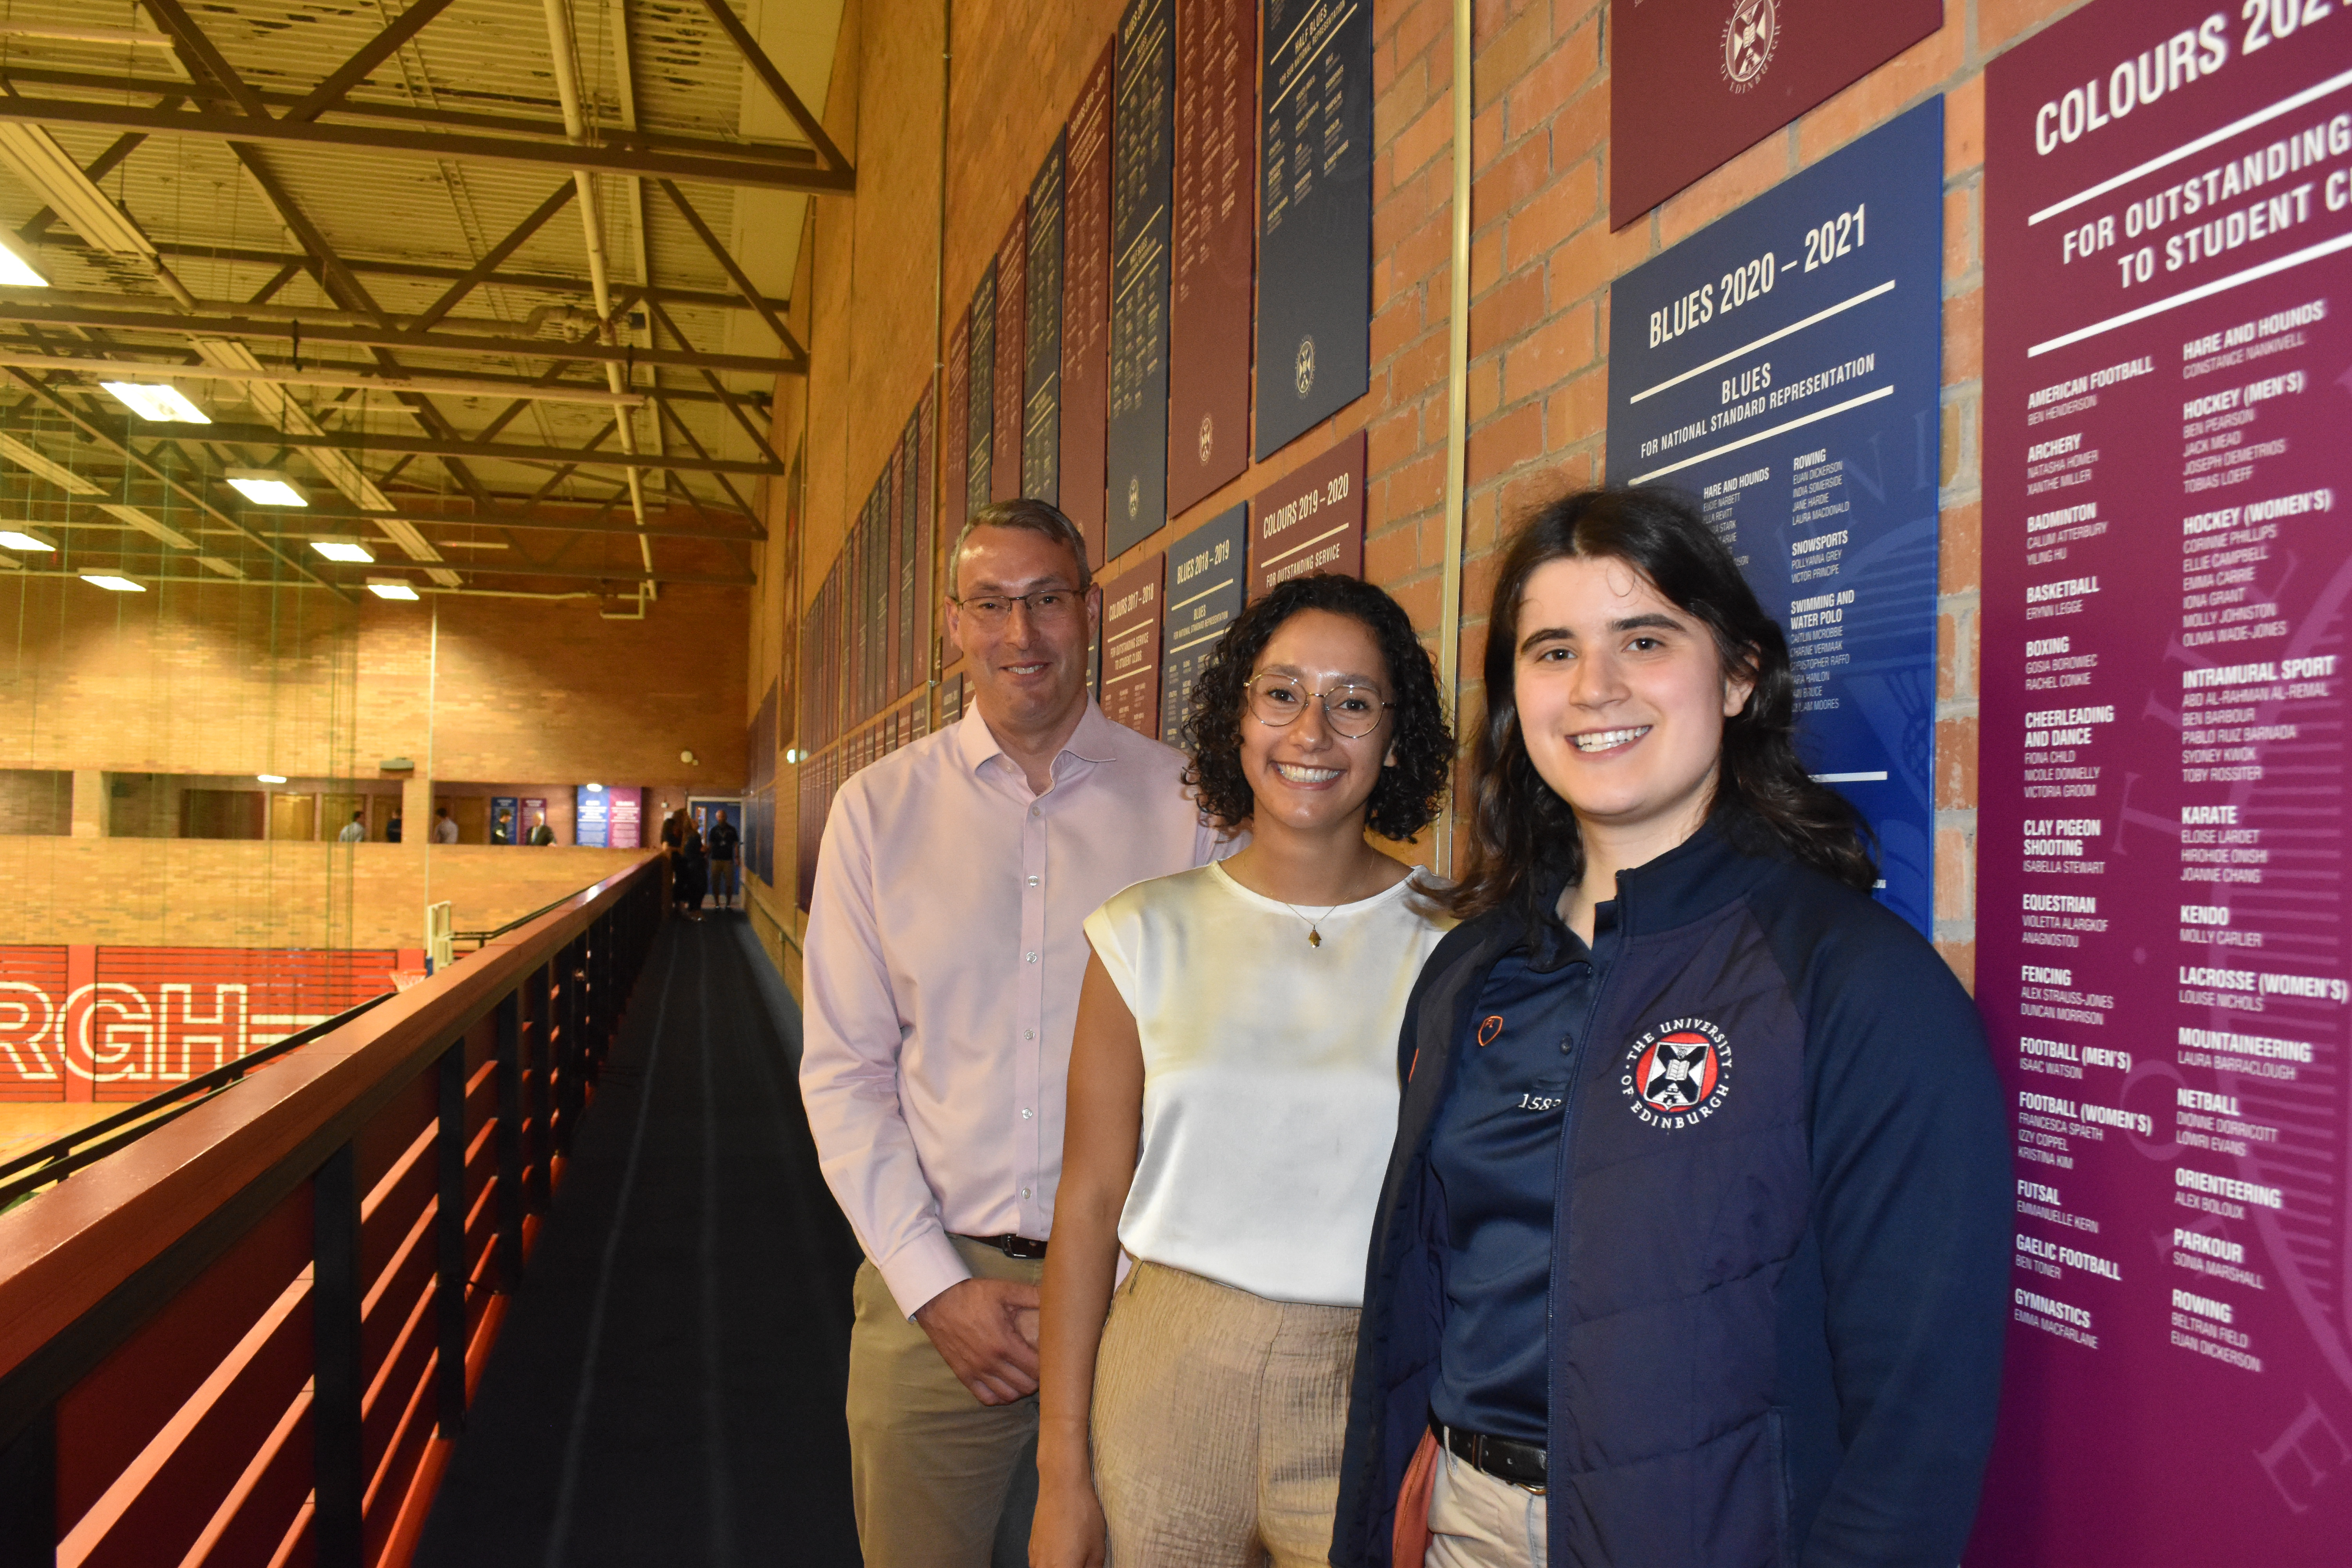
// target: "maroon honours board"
[[1216, 232], [2162, 908], [1311, 519], [1698, 82], [1085, 306], [1041, 434], [1130, 646]]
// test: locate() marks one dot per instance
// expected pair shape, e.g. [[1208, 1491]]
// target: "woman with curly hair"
[[1231, 1100]]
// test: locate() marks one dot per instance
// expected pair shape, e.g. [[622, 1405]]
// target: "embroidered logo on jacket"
[[1677, 1074], [1491, 1029]]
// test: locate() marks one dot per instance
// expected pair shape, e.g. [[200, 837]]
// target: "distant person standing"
[[355, 830], [445, 827], [723, 841], [392, 830], [692, 879], [540, 833]]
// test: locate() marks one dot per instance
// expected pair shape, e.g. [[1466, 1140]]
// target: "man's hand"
[[986, 1329]]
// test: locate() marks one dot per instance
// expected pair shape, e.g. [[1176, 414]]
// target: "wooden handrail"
[[87, 1264]]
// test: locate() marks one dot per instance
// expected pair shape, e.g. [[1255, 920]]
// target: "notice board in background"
[[1314, 214], [1012, 272], [1041, 433], [1130, 646], [1311, 519], [980, 394], [1215, 234], [957, 428], [628, 823], [1695, 83], [1143, 135], [592, 817], [1784, 367], [1086, 307], [2162, 911], [1205, 569]]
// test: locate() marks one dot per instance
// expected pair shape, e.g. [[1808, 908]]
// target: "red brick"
[[1502, 185], [1503, 59], [1558, 349], [1505, 441], [1959, 548], [1961, 239], [1877, 98], [1956, 765], [2000, 23], [1964, 337], [1964, 125], [1955, 875], [1578, 411], [1571, 203], [1392, 439], [1427, 134], [1507, 310]]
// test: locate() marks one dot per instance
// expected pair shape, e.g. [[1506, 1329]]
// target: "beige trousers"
[[1218, 1422], [1476, 1521], [939, 1479]]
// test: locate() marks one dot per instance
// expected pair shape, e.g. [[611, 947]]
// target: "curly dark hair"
[[1406, 800], [1523, 838]]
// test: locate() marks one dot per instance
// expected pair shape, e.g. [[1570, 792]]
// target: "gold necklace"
[[1315, 925]]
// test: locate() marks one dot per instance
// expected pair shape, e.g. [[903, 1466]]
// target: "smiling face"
[[1306, 776], [1026, 674], [1622, 700]]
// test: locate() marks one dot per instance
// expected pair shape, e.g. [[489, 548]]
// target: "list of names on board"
[[1142, 155], [1085, 306], [2161, 903], [1209, 317], [1041, 435]]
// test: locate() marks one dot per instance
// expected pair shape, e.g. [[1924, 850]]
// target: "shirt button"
[[1025, 1192], [1032, 958], [1028, 1034], [1025, 1113], [1033, 882]]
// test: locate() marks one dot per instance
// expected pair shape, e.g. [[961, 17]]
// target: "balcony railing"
[[250, 1336]]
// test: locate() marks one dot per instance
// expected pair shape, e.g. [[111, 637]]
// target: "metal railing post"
[[338, 1383], [449, 1234]]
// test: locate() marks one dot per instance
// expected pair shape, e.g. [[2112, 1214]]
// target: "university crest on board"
[[1749, 39]]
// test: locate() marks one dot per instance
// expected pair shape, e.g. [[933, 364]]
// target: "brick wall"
[[1542, 259], [236, 682]]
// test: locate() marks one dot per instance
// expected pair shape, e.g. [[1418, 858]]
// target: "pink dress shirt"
[[943, 958]]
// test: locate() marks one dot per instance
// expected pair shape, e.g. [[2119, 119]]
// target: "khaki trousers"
[[1478, 1520], [939, 1479], [1218, 1421]]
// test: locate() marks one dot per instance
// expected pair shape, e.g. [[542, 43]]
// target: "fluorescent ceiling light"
[[160, 405], [50, 169], [598, 787], [17, 539], [57, 473], [147, 525], [390, 588], [266, 487], [270, 778], [15, 271], [112, 583], [349, 550]]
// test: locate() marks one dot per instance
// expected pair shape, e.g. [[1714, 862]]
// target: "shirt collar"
[[1094, 741]]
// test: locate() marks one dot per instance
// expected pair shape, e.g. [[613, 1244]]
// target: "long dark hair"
[[1523, 837], [1405, 799]]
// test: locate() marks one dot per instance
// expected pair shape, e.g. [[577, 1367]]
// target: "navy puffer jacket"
[[1776, 1315]]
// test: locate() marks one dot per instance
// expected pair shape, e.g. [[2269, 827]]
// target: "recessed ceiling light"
[[348, 550], [266, 487], [112, 583], [270, 778], [593, 786], [163, 404], [390, 588], [17, 539]]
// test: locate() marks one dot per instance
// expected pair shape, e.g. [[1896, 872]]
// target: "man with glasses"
[[944, 953]]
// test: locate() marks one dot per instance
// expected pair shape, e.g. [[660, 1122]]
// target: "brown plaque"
[[1011, 349], [1311, 519], [1698, 82], [979, 418], [958, 428], [1216, 224], [1086, 307], [1130, 645]]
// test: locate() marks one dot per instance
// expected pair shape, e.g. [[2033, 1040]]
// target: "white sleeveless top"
[[1269, 1077]]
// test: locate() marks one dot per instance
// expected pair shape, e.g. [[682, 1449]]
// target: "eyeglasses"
[[1350, 710], [1046, 606]]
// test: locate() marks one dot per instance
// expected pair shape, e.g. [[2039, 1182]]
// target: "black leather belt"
[[1012, 1245], [1505, 1458]]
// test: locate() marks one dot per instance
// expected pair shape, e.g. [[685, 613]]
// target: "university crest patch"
[[1677, 1074]]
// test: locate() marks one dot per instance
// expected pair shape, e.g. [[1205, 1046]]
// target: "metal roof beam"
[[734, 270], [418, 342], [713, 162], [329, 93], [549, 282], [778, 88], [437, 446]]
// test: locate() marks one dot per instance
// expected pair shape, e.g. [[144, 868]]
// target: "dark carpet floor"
[[668, 1387]]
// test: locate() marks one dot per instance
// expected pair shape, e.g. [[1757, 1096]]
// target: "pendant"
[[1314, 937]]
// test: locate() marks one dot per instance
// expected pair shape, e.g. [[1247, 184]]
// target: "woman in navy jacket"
[[1693, 1246]]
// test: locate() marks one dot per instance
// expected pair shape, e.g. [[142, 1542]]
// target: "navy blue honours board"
[[1205, 573], [1142, 181], [1314, 214], [1783, 365], [1041, 426]]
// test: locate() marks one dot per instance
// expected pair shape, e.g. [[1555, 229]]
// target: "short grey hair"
[[1035, 517]]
